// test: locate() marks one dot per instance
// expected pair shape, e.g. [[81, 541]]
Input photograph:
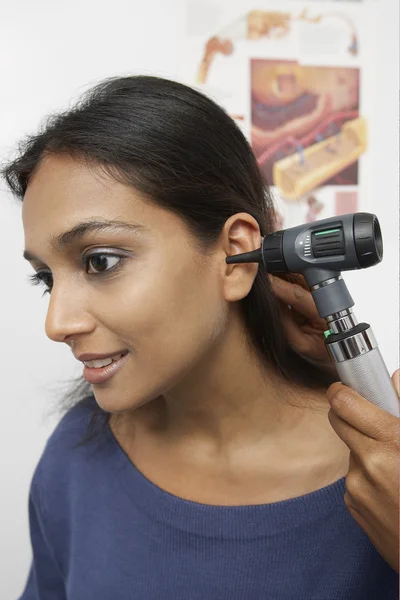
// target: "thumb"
[[396, 381]]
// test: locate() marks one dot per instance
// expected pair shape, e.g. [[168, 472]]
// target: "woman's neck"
[[229, 398]]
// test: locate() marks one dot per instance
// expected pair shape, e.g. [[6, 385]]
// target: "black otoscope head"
[[340, 243], [320, 251]]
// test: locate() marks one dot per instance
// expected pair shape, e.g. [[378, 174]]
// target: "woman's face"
[[158, 298]]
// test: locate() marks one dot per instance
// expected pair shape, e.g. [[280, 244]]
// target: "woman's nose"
[[66, 315]]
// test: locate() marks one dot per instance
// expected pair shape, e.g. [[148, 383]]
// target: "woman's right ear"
[[241, 233]]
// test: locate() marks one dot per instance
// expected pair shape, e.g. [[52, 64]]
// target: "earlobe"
[[238, 280]]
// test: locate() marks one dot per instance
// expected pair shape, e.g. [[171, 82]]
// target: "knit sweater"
[[100, 530]]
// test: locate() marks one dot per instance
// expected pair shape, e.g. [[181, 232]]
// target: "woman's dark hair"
[[183, 151]]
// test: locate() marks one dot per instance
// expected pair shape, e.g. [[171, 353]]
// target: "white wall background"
[[51, 51]]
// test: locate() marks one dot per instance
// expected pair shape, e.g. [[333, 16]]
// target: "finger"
[[361, 414], [358, 443], [298, 297], [295, 336], [396, 381], [303, 338], [291, 316], [291, 278]]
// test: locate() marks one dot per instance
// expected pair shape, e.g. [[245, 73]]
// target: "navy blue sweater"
[[100, 530]]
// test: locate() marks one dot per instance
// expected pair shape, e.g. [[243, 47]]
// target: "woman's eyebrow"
[[61, 241]]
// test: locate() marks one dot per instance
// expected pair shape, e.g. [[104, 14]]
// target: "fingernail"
[[340, 398]]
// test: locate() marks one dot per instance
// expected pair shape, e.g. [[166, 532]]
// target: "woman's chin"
[[111, 403]]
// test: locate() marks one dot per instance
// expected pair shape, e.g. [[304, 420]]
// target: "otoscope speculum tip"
[[246, 257]]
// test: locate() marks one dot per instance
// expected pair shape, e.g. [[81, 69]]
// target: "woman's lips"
[[98, 375]]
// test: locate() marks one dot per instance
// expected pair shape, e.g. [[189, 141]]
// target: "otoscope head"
[[339, 243], [320, 251]]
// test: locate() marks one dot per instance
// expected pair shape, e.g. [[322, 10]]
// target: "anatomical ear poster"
[[297, 77]]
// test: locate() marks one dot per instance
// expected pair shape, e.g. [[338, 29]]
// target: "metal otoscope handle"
[[360, 366]]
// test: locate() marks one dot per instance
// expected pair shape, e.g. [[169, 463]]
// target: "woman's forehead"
[[63, 190], [66, 199], [61, 179]]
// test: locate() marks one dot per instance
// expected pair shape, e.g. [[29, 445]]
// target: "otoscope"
[[320, 251]]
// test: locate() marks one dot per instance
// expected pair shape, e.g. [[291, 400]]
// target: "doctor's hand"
[[372, 481], [303, 326]]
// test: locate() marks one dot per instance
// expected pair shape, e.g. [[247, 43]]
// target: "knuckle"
[[300, 346], [348, 500], [299, 292], [373, 464], [354, 487]]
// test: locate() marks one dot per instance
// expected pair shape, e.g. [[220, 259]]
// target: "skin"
[[193, 407]]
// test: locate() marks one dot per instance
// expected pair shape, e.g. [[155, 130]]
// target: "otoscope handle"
[[360, 366]]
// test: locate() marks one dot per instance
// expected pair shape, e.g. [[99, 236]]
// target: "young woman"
[[215, 473]]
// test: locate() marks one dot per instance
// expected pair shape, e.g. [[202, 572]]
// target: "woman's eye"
[[102, 262], [46, 279], [41, 279]]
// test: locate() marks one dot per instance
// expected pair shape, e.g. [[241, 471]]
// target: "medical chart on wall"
[[296, 77]]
